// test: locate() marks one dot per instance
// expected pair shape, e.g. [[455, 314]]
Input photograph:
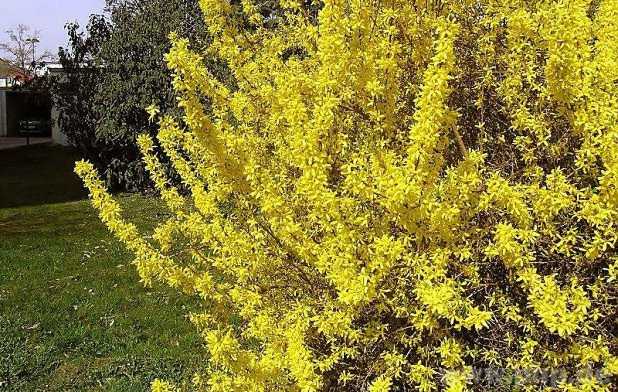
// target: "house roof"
[[7, 70]]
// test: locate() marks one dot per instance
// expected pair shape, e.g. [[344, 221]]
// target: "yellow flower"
[[381, 190], [153, 111]]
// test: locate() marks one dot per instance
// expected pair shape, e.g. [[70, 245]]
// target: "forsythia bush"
[[394, 195]]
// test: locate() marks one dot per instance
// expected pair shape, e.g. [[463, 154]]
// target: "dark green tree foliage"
[[74, 90], [113, 72], [136, 75]]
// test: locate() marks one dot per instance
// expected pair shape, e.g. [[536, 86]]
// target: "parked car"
[[34, 127]]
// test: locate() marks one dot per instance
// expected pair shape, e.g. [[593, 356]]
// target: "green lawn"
[[73, 316]]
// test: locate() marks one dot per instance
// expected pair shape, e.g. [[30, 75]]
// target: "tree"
[[135, 74], [21, 47], [393, 196], [74, 91], [116, 68]]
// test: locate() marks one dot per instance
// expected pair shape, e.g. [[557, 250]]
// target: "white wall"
[[57, 136]]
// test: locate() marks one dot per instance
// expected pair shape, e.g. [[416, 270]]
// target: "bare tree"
[[21, 47]]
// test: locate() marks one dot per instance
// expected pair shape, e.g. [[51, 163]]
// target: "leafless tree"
[[21, 47]]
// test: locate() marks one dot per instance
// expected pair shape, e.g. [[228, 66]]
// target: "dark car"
[[34, 127]]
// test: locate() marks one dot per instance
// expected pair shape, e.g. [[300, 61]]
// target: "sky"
[[48, 16]]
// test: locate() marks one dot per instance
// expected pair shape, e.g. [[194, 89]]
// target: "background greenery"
[[113, 71]]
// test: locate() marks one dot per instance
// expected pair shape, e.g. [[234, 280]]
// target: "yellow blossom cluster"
[[390, 195]]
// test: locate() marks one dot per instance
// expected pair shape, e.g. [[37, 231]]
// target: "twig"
[[460, 143]]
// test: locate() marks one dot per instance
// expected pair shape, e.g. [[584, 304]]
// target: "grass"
[[73, 316]]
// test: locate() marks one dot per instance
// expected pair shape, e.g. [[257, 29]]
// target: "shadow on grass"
[[39, 174]]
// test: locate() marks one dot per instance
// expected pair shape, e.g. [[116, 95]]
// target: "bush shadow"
[[39, 174]]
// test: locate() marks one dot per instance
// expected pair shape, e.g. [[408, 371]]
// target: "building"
[[10, 76], [21, 104]]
